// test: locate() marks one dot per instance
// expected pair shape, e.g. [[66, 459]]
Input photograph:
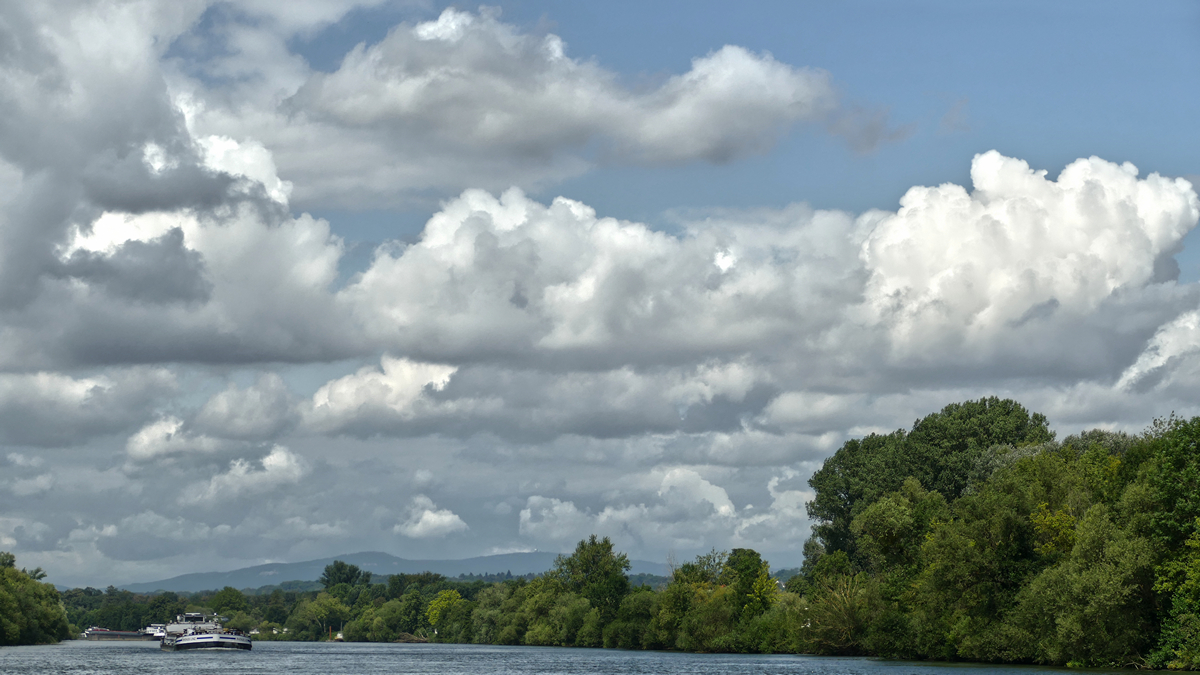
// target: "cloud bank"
[[190, 372]]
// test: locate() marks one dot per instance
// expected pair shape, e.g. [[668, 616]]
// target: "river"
[[324, 658]]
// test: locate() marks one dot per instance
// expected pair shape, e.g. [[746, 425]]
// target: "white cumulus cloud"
[[688, 486], [427, 520], [167, 436], [954, 266], [552, 519], [279, 467], [389, 392]]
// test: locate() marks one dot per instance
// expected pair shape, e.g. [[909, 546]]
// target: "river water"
[[324, 658]]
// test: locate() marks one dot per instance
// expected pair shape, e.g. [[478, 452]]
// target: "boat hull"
[[216, 642], [116, 635]]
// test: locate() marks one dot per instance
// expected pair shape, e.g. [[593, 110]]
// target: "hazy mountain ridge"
[[378, 563]]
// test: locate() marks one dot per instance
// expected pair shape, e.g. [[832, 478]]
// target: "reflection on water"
[[97, 658]]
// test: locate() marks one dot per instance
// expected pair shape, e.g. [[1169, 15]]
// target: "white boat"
[[198, 631]]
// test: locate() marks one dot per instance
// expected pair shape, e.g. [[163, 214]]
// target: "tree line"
[[974, 535]]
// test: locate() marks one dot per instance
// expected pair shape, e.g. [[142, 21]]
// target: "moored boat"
[[95, 633], [198, 631]]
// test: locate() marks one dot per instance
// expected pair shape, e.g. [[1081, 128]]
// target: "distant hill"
[[379, 564], [784, 575], [655, 581]]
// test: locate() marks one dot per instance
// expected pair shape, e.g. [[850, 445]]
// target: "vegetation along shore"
[[975, 535]]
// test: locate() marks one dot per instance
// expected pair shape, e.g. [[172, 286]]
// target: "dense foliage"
[[1008, 546], [30, 611], [973, 536]]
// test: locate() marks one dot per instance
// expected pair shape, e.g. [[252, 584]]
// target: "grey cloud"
[[52, 409], [43, 534], [685, 506], [865, 130], [468, 100], [33, 222], [1166, 267], [1042, 310], [148, 535], [957, 118], [126, 183], [78, 113], [409, 399], [157, 271], [234, 289], [259, 412]]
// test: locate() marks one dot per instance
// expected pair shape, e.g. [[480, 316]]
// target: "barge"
[[198, 631]]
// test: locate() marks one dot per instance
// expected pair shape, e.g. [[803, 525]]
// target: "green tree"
[[781, 629], [750, 578], [891, 530], [228, 601], [709, 625], [860, 472], [411, 612], [241, 621], [442, 606], [382, 624], [674, 603], [1179, 580], [536, 615], [633, 619], [320, 617], [339, 572], [941, 452], [595, 572], [840, 611], [1093, 607], [164, 607], [942, 448], [493, 612], [31, 612], [704, 570], [998, 539], [1164, 505], [455, 625]]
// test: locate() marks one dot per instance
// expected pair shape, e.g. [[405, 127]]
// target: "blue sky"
[[285, 281]]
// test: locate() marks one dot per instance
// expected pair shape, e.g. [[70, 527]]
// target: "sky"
[[282, 281]]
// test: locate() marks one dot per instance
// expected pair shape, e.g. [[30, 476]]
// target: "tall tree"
[[339, 572], [939, 452], [744, 571], [941, 448], [228, 600], [595, 572]]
